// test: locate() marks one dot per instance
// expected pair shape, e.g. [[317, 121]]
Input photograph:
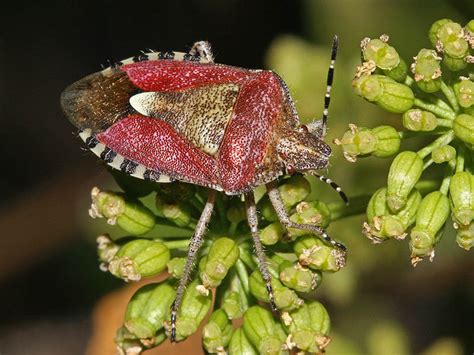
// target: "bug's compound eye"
[[290, 170]]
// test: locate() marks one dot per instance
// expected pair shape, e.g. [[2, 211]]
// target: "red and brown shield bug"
[[165, 116]]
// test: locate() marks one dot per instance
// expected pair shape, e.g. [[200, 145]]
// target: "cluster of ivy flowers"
[[227, 283], [435, 97]]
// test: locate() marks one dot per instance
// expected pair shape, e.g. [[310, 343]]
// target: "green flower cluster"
[[226, 269], [435, 97]]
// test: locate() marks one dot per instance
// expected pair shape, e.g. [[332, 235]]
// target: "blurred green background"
[[49, 276]]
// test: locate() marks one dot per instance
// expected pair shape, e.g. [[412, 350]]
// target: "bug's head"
[[300, 150]]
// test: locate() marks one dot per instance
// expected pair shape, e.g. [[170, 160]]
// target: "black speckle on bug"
[[91, 142], [108, 155], [140, 57], [191, 57], [128, 166], [151, 175], [166, 55]]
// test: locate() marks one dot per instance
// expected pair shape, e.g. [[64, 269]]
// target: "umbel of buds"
[[434, 96]]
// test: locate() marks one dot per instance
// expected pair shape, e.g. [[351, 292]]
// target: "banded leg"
[[194, 246], [279, 207], [203, 49], [335, 186], [262, 262]]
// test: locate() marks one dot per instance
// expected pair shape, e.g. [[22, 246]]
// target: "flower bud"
[[385, 92], [231, 304], [261, 329], [128, 344], [464, 91], [272, 233], [313, 212], [222, 255], [129, 215], [309, 327], [294, 190], [177, 212], [388, 141], [357, 141], [176, 267], [399, 73], [443, 154], [404, 173], [384, 56], [139, 258], [148, 308], [267, 210], [193, 310], [435, 27], [315, 254], [217, 332], [454, 64], [451, 37], [430, 218], [236, 214], [465, 236], [461, 191], [418, 120], [427, 70], [298, 277], [463, 127], [239, 344], [106, 249]]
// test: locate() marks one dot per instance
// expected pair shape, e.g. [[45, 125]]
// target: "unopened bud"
[[128, 344], [177, 212], [294, 190], [272, 233], [384, 55], [461, 191], [443, 154], [176, 267], [315, 254], [399, 73], [465, 236], [451, 36], [106, 249], [299, 278], [418, 120], [231, 305], [388, 141], [313, 212], [427, 70], [464, 91], [434, 29], [217, 332], [240, 344], [463, 127]]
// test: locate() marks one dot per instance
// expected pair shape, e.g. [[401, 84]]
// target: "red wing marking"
[[157, 146], [170, 75], [247, 135]]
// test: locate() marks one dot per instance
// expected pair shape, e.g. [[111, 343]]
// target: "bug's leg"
[[279, 207], [335, 186], [203, 49], [262, 260], [194, 246]]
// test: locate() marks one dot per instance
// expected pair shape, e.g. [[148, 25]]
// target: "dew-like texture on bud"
[[384, 55], [176, 267], [388, 141], [465, 236], [148, 308], [194, 308], [309, 327], [461, 192], [298, 277], [231, 305], [217, 332], [313, 212], [315, 254], [404, 173], [294, 190], [419, 120], [240, 345], [285, 298], [463, 127], [427, 70], [451, 36], [434, 29], [443, 154], [139, 258], [260, 328], [272, 233], [222, 255], [464, 91]]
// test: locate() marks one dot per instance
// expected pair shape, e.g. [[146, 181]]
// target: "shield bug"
[[166, 116]]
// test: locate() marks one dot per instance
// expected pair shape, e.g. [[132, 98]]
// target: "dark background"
[[49, 279]]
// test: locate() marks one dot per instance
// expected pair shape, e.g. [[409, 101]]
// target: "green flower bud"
[[470, 26], [299, 278], [399, 73], [222, 255], [465, 236], [236, 214], [285, 299], [357, 141], [267, 210], [294, 190], [427, 70], [451, 37], [260, 328], [463, 127], [231, 304], [464, 91], [435, 27], [106, 249], [404, 173], [315, 254], [179, 212], [139, 258], [388, 141], [129, 215], [176, 267], [272, 233], [217, 332], [128, 344], [313, 212], [240, 345], [431, 217], [309, 327], [418, 120], [384, 56], [385, 92], [193, 310], [454, 64], [443, 154], [148, 308], [461, 191]]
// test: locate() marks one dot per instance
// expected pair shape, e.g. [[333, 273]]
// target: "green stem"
[[439, 142], [444, 123], [427, 164], [447, 178], [247, 258], [232, 228], [357, 205], [413, 134], [449, 93], [177, 244], [438, 111], [243, 276], [460, 158]]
